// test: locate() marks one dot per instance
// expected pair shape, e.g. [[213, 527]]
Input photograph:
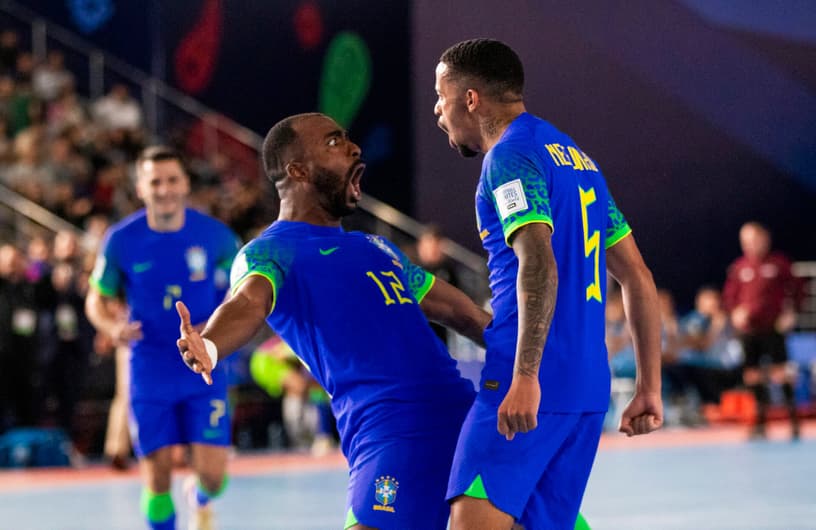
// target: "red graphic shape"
[[197, 55], [308, 24]]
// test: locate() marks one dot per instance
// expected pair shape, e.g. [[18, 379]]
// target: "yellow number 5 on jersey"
[[592, 243]]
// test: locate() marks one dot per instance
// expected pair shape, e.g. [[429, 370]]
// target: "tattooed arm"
[[537, 286]]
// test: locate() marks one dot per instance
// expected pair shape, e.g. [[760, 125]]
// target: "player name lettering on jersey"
[[570, 156]]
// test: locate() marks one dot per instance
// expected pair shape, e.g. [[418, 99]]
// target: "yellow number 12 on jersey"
[[396, 287]]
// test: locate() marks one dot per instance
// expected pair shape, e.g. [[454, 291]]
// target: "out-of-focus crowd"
[[74, 157]]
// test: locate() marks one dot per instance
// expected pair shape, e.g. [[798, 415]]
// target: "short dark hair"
[[160, 153], [280, 138], [490, 61]]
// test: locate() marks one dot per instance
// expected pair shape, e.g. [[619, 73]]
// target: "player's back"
[[538, 174], [347, 304]]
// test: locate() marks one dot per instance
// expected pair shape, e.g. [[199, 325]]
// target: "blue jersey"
[[536, 174], [348, 305], [153, 270]]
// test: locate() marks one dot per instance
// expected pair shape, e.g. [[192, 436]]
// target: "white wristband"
[[212, 351]]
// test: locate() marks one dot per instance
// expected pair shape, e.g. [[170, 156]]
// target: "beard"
[[331, 189]]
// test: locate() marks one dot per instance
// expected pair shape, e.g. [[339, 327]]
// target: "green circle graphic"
[[346, 77]]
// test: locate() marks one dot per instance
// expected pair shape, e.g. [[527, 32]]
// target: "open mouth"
[[354, 181]]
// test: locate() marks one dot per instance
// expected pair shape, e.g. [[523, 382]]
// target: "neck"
[[170, 223], [306, 212], [495, 123]]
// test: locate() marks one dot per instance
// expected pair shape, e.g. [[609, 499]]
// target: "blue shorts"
[[539, 477], [201, 418], [400, 484]]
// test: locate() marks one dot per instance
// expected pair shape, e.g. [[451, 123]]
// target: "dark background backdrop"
[[701, 113]]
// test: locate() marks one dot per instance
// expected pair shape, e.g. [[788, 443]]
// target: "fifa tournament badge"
[[385, 492], [197, 263]]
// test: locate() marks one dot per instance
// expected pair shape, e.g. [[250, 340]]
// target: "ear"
[[137, 187], [296, 171], [472, 99]]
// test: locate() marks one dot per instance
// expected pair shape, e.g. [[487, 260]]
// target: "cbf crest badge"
[[385, 493], [197, 263]]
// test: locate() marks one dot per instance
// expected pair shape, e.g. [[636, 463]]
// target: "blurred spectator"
[[6, 144], [38, 254], [9, 50], [66, 111], [710, 350], [66, 249], [762, 296], [619, 344], [430, 255], [25, 72], [95, 228], [50, 78], [71, 339], [680, 383], [14, 105], [21, 301], [306, 410], [29, 174], [117, 110]]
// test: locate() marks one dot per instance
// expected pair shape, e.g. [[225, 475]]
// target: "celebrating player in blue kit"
[[161, 254], [351, 306], [551, 231]]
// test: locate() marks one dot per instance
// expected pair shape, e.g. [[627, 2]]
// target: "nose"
[[437, 109], [355, 150]]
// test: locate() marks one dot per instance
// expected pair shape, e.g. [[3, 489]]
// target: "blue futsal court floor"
[[708, 479]]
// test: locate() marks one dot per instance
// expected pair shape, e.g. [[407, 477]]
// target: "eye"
[[333, 141]]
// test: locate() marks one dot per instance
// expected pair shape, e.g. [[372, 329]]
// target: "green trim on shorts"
[[476, 489], [351, 520], [157, 507], [581, 523]]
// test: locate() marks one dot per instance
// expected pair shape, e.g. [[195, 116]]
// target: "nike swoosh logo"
[[141, 267], [326, 252]]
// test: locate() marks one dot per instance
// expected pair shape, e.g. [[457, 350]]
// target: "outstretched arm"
[[231, 326], [452, 308], [644, 413]]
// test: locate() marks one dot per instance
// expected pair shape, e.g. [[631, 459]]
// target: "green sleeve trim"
[[102, 289], [476, 489], [351, 520], [423, 289], [523, 221], [157, 507], [623, 231], [269, 278]]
